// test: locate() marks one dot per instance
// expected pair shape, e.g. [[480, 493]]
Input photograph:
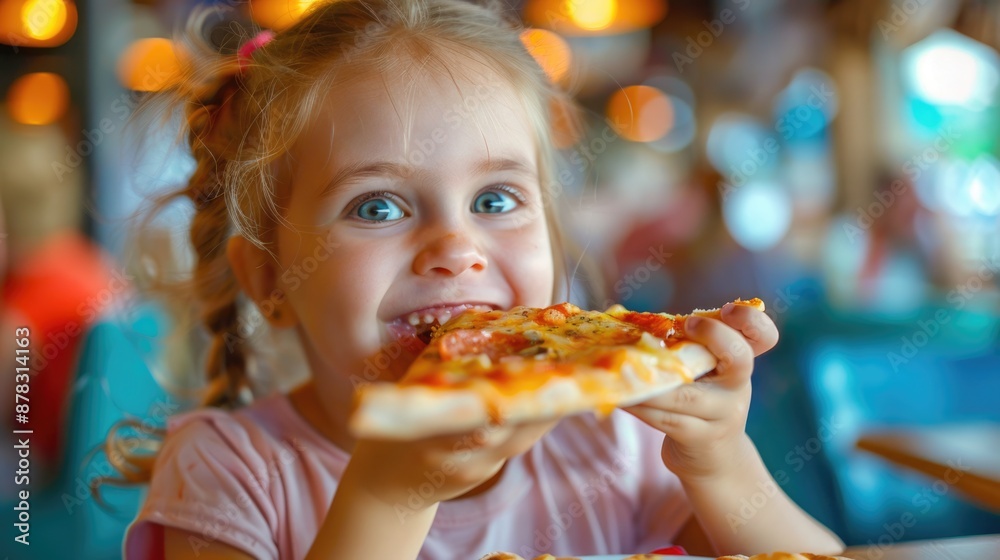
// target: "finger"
[[759, 330], [680, 427], [701, 400], [731, 349]]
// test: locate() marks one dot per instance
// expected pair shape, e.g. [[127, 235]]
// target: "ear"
[[257, 274]]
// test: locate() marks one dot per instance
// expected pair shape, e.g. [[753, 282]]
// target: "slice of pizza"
[[531, 364]]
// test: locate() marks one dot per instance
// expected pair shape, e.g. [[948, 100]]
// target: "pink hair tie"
[[247, 49]]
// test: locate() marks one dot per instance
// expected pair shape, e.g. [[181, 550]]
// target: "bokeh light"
[[592, 15], [682, 131], [757, 214], [550, 50], [984, 185], [38, 99], [640, 113], [738, 145], [805, 109], [279, 14], [37, 23], [149, 65], [968, 189], [43, 19], [948, 68]]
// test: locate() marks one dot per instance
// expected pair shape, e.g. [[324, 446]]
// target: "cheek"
[[527, 261], [332, 286]]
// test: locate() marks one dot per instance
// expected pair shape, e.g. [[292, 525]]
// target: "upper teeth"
[[440, 315]]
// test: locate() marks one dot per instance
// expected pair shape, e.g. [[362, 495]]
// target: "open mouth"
[[420, 325]]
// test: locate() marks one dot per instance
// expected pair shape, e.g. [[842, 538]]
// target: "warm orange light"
[[37, 23], [594, 17], [149, 65], [279, 14], [550, 50], [305, 5], [39, 98], [640, 113], [43, 19]]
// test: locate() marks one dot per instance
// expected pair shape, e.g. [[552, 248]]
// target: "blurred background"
[[838, 159]]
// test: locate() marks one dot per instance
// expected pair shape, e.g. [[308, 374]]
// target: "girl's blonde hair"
[[240, 124]]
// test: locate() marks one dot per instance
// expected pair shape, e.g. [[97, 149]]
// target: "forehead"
[[423, 114]]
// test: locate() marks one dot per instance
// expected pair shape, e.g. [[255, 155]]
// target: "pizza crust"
[[389, 411]]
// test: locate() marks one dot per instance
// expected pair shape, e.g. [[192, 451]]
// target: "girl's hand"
[[414, 475], [705, 421]]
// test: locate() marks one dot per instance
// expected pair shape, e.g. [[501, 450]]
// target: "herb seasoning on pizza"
[[531, 364]]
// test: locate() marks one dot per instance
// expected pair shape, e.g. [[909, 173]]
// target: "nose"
[[450, 254]]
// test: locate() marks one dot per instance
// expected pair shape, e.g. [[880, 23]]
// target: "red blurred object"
[[671, 551], [59, 290]]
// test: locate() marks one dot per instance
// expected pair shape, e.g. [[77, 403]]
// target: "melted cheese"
[[505, 352], [530, 346]]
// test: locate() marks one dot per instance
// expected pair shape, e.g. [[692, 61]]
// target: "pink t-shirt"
[[261, 480]]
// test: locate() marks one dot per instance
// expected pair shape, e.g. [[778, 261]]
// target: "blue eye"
[[379, 210], [494, 202]]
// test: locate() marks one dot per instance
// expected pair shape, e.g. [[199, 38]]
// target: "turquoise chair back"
[[113, 382]]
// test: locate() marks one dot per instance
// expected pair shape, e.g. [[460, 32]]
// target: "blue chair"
[[113, 382], [839, 375]]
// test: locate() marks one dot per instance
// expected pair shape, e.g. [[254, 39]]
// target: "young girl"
[[385, 162]]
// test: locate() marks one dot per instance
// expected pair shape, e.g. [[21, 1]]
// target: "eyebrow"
[[371, 169], [503, 164]]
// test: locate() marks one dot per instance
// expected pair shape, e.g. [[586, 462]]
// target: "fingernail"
[[692, 322], [727, 309]]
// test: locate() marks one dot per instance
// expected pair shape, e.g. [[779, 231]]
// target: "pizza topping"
[[524, 341], [658, 324], [551, 316], [533, 335], [493, 344]]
